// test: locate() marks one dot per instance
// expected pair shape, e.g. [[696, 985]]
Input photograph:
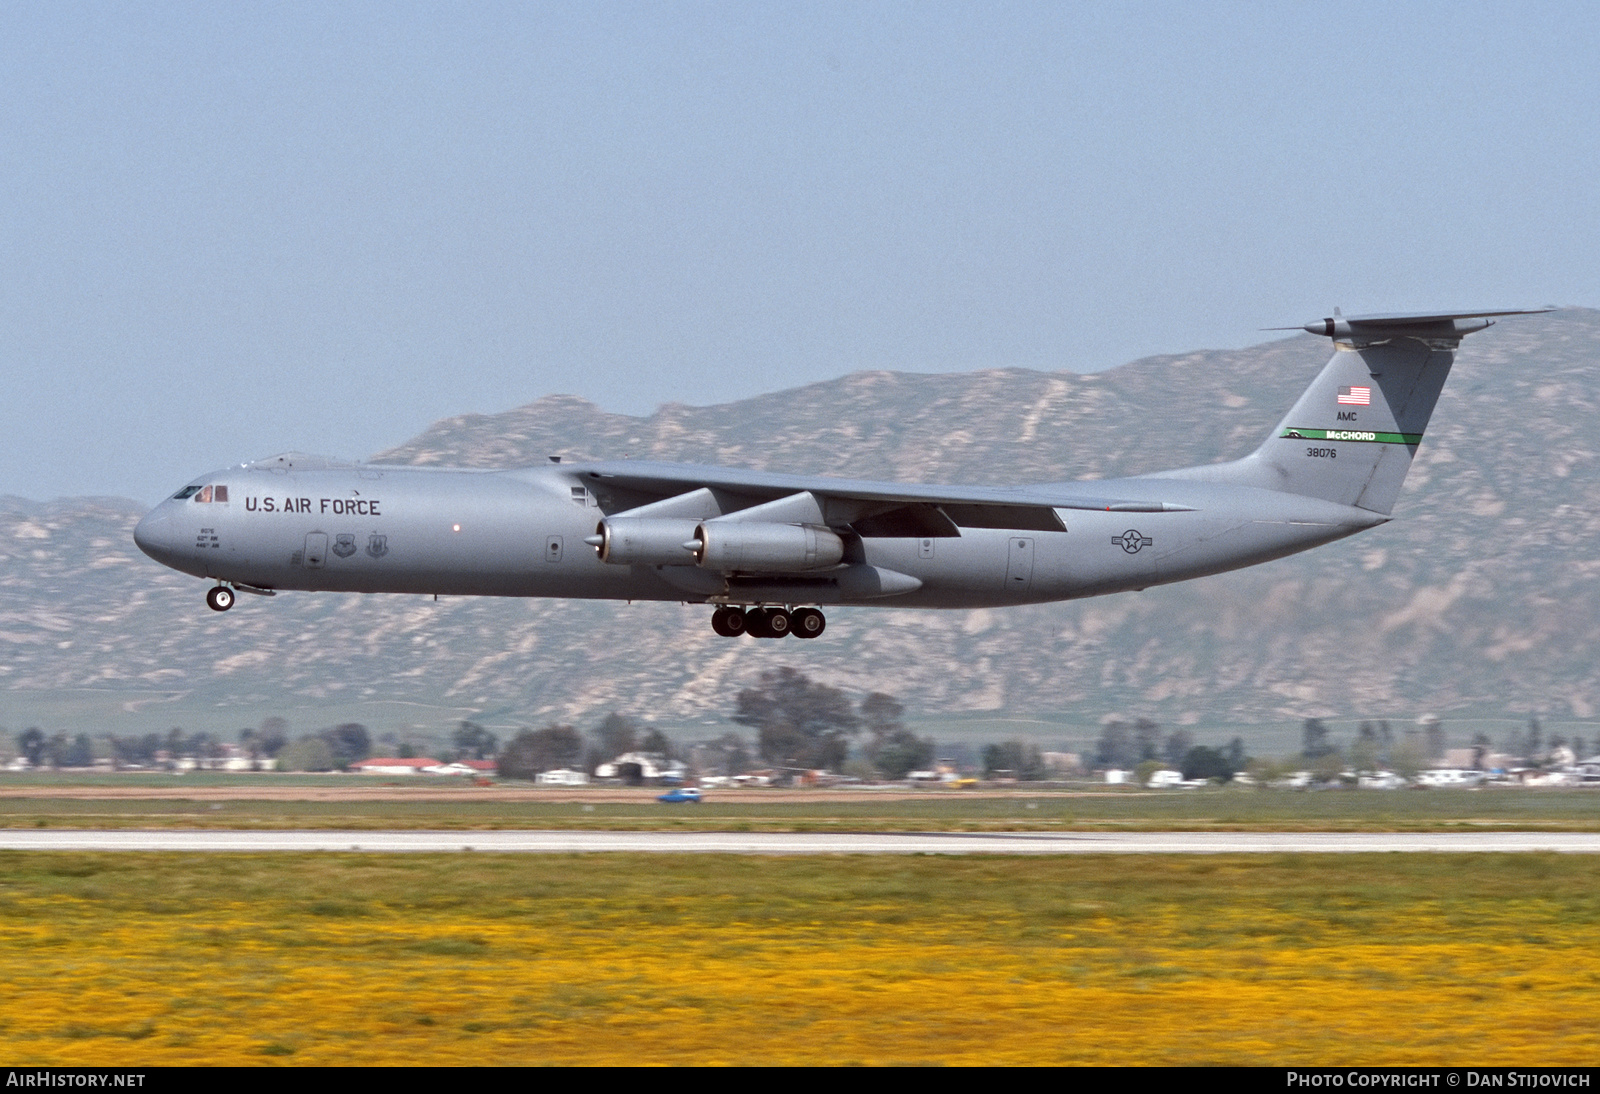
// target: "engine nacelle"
[[644, 541], [757, 548]]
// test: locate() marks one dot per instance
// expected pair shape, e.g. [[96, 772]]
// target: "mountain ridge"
[[1478, 597]]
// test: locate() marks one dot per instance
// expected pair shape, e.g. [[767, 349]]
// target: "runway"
[[803, 843]]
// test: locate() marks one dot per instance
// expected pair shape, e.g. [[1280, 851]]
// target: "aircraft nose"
[[157, 536]]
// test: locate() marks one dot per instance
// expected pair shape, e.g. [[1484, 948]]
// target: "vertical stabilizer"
[[1351, 437]]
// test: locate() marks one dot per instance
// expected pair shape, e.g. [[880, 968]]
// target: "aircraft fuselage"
[[522, 533]]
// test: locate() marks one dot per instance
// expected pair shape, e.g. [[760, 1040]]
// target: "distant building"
[[649, 766], [1168, 779], [1062, 763], [561, 776], [395, 765], [478, 768], [1449, 776], [1381, 780]]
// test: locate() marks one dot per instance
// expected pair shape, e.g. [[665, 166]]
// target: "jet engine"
[[643, 541], [754, 547]]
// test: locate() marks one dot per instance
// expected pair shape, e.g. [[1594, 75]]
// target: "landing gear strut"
[[219, 599], [730, 622]]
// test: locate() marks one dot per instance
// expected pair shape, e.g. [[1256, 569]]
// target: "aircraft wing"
[[639, 484]]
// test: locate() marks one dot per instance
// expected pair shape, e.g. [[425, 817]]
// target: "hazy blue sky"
[[231, 229]]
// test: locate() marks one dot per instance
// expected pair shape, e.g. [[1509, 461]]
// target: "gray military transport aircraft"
[[768, 549]]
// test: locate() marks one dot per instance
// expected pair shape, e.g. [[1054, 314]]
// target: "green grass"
[[1045, 810], [997, 896]]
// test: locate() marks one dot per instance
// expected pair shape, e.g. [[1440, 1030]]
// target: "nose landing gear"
[[730, 622], [219, 599]]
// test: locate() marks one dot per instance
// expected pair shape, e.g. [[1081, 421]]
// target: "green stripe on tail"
[[1366, 436]]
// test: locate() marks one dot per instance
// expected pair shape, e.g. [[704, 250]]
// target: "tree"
[[903, 753], [135, 750], [80, 753], [202, 745], [1433, 731], [1115, 748], [883, 716], [1019, 758], [616, 734], [1529, 747], [728, 754], [31, 742], [892, 749], [1179, 744], [799, 723], [473, 741], [55, 751], [1327, 767], [659, 744], [306, 754], [272, 736], [1147, 739], [533, 751], [1237, 760], [1202, 762], [1407, 758], [1364, 749], [348, 742], [1314, 742]]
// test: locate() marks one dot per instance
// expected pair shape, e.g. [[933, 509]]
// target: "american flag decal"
[[1355, 396]]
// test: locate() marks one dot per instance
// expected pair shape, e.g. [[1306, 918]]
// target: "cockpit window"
[[202, 494]]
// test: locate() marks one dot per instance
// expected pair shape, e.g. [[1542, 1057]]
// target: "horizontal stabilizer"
[[1455, 324]]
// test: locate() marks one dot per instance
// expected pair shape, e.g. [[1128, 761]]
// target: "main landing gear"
[[730, 622], [219, 599]]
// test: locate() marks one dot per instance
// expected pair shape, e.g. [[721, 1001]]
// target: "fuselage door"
[[316, 550], [1019, 567], [552, 548]]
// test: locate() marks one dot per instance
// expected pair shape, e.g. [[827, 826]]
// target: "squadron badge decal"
[[377, 546], [344, 546]]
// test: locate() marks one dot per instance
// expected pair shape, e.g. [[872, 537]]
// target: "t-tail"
[[1351, 437]]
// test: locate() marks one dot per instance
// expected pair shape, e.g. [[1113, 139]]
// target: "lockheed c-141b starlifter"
[[771, 550]]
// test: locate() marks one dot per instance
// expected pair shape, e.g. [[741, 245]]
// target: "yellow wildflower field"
[[123, 960]]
